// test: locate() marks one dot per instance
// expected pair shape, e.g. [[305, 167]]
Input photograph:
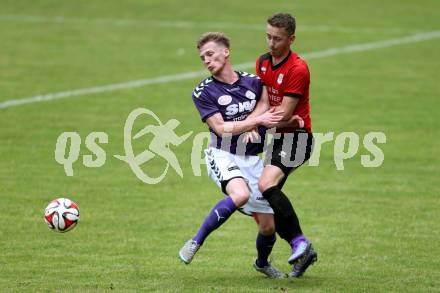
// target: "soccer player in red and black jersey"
[[286, 78]]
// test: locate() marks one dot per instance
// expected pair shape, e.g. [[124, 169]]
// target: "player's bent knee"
[[240, 197], [267, 229], [265, 184], [266, 224]]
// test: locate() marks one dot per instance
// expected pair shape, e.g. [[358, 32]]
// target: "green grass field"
[[376, 229]]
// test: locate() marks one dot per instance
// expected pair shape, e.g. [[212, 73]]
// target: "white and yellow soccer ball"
[[61, 215]]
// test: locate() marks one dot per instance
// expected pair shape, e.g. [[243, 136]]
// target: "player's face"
[[214, 56], [278, 40]]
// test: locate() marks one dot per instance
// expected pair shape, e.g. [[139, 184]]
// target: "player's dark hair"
[[283, 20], [219, 38]]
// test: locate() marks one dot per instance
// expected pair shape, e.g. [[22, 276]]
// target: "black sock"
[[264, 248], [286, 221]]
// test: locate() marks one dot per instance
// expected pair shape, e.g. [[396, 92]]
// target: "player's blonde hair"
[[217, 37]]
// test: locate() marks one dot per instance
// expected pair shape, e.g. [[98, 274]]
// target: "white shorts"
[[224, 166]]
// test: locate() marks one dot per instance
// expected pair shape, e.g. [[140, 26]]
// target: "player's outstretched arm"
[[294, 122], [287, 107], [220, 127]]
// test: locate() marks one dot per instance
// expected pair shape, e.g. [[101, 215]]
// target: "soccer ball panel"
[[61, 215]]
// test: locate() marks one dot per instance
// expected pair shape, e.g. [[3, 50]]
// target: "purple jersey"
[[234, 102]]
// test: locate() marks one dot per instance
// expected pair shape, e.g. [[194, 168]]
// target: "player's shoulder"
[[296, 66], [297, 62], [263, 58], [201, 87], [247, 75], [250, 80]]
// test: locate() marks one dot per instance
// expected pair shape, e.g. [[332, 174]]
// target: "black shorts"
[[289, 151]]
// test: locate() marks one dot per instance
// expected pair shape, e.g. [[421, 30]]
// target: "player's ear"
[[226, 52], [292, 39]]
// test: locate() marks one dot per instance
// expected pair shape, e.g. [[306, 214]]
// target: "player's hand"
[[270, 118], [251, 136], [298, 120]]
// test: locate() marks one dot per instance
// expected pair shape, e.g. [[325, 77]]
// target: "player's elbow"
[[219, 132], [219, 129], [286, 117], [225, 128]]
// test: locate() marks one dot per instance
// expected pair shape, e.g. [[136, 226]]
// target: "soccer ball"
[[61, 215]]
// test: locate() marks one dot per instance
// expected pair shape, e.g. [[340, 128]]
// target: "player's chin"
[[213, 70], [274, 53]]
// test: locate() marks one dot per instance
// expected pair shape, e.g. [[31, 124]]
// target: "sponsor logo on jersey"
[[280, 78], [241, 107], [263, 69], [224, 100], [272, 90], [250, 95], [275, 100], [240, 118]]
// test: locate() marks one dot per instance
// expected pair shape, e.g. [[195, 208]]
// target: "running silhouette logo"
[[164, 136]]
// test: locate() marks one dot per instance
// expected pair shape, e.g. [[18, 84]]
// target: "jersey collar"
[[221, 82], [281, 63]]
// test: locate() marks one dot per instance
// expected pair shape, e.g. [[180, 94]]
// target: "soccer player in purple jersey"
[[224, 101]]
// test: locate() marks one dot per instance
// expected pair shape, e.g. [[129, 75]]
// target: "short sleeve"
[[204, 105], [298, 81], [258, 88], [257, 67]]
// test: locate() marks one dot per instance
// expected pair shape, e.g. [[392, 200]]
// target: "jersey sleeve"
[[261, 62], [258, 87], [298, 81], [204, 105], [257, 67]]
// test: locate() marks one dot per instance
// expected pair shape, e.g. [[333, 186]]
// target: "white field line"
[[121, 22], [193, 74]]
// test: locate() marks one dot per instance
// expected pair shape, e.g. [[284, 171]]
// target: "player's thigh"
[[226, 173], [266, 223], [238, 190], [221, 167], [271, 176], [251, 167]]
